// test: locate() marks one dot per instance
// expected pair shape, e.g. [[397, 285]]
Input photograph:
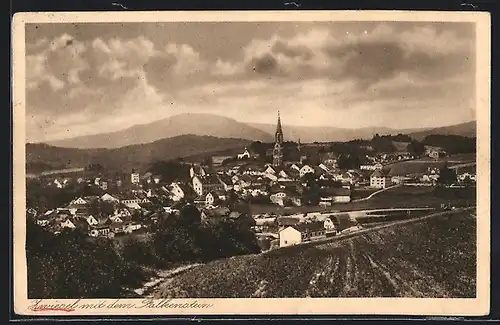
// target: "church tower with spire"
[[278, 145]]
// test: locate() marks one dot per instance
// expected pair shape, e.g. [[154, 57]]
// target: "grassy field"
[[398, 197], [363, 192], [430, 258], [419, 166]]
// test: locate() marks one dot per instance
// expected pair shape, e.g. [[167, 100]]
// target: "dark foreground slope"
[[431, 258]]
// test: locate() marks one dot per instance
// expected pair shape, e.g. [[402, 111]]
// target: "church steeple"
[[278, 144], [278, 137]]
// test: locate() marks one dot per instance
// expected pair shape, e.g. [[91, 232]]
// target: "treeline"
[[452, 144], [73, 265], [184, 238]]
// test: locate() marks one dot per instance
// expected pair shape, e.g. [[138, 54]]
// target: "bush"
[[71, 265]]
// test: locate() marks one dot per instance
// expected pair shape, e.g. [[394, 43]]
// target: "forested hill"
[[129, 157]]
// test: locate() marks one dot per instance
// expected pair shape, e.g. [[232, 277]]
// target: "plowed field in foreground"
[[435, 257]]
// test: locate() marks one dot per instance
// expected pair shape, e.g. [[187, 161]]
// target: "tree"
[[447, 176], [259, 148], [170, 171], [71, 265], [416, 148]]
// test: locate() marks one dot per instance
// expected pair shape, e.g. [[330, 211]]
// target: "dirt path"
[[162, 276]]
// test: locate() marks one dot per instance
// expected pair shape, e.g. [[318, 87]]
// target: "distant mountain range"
[[327, 134], [224, 127], [189, 135], [193, 124], [128, 157], [464, 129]]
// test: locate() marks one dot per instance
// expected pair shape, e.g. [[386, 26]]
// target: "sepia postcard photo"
[[288, 163]]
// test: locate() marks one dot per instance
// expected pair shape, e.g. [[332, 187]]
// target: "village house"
[[373, 167], [211, 198], [296, 234], [178, 191], [109, 198], [226, 181], [91, 221], [68, 224], [135, 177], [379, 179], [306, 169], [331, 225], [251, 169], [278, 197], [466, 176], [207, 183], [197, 170], [436, 153], [245, 155], [269, 170]]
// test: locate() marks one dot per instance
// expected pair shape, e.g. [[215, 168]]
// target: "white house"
[[135, 178], [464, 176], [323, 167], [306, 169], [329, 224], [91, 221], [109, 198], [176, 192], [269, 171], [79, 201], [296, 234], [115, 218], [198, 185], [379, 179], [42, 222], [244, 155], [68, 224], [290, 236], [210, 198]]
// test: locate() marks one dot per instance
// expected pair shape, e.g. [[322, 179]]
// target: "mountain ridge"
[[203, 124], [200, 124], [132, 156]]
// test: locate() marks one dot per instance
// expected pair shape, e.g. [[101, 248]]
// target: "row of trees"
[[183, 238]]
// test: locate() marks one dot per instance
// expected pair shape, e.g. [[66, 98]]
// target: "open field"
[[419, 166], [398, 197], [434, 257], [362, 192]]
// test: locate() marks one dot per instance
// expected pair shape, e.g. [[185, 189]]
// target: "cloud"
[[364, 57], [319, 76]]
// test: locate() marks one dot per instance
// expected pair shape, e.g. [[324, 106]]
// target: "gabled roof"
[[309, 226], [209, 179], [378, 173]]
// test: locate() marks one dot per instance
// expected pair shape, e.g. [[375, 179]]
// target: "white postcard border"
[[268, 306]]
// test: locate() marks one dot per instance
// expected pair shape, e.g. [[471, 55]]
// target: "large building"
[[379, 179], [278, 145]]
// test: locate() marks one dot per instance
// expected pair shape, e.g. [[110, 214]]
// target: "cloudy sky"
[[93, 78]]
